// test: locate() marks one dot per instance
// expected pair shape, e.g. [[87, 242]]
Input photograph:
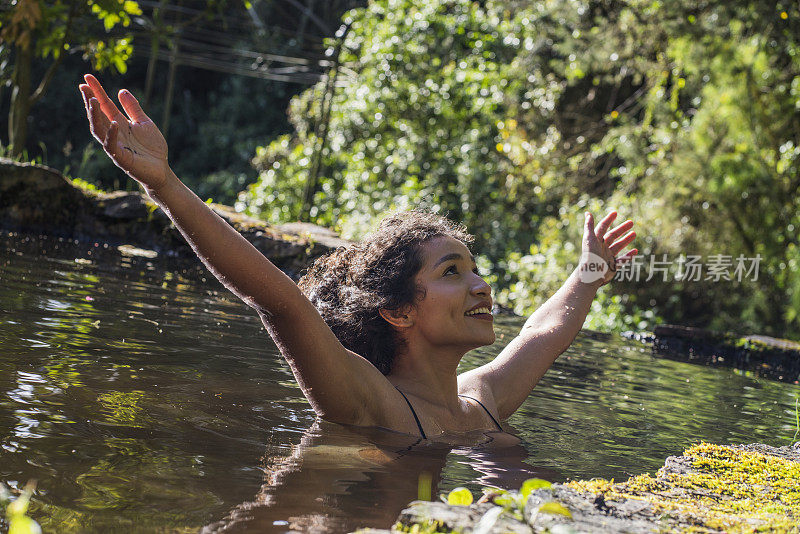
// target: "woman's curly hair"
[[351, 285]]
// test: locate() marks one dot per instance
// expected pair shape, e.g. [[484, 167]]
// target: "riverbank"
[[710, 488], [773, 358], [40, 200]]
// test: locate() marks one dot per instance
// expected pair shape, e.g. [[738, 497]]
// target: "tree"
[[514, 117], [39, 33]]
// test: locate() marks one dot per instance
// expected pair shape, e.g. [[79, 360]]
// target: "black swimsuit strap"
[[414, 413], [484, 407]]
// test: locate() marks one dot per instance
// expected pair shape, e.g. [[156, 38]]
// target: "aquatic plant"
[[18, 522], [459, 497], [506, 503]]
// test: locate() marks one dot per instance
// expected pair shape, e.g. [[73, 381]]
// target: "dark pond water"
[[145, 400]]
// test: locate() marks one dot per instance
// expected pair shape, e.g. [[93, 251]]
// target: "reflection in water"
[[143, 399], [341, 478]]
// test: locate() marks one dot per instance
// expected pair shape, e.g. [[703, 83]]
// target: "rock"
[[123, 205], [778, 359], [589, 516], [34, 198], [710, 488], [447, 518]]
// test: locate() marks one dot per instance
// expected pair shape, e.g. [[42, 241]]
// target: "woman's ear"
[[400, 318]]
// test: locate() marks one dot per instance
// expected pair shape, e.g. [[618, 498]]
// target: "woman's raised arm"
[[507, 380], [340, 385]]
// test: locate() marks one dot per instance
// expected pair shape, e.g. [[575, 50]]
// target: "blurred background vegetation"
[[513, 117]]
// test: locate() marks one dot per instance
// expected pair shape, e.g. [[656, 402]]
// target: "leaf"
[[506, 501], [459, 497], [24, 525], [533, 484], [555, 509], [131, 7]]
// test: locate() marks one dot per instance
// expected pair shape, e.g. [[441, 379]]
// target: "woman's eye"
[[451, 270]]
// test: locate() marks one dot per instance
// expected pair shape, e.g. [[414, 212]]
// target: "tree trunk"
[[321, 131], [173, 65], [20, 102], [155, 47]]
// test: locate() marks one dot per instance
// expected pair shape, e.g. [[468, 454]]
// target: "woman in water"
[[375, 331]]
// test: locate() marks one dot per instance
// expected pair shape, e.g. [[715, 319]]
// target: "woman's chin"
[[487, 340]]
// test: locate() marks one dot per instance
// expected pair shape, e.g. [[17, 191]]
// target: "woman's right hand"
[[134, 144]]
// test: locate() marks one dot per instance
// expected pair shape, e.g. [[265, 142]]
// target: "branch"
[[48, 75]]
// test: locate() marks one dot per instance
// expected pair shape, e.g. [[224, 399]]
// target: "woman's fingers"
[[621, 243], [132, 107], [613, 235], [106, 105], [603, 225], [98, 122], [121, 155], [86, 93], [588, 230]]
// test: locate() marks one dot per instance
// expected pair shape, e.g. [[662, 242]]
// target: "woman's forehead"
[[443, 248]]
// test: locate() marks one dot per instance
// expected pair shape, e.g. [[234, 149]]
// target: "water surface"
[[144, 399]]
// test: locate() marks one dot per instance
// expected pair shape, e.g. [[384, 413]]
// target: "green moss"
[[730, 489], [428, 527], [86, 187]]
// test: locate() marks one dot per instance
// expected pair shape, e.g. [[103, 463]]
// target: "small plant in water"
[[18, 522], [797, 418], [459, 497], [513, 502]]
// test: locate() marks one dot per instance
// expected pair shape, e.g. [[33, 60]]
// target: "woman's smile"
[[482, 312]]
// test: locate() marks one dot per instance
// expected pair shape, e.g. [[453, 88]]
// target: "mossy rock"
[[713, 488], [710, 488], [774, 358], [38, 199]]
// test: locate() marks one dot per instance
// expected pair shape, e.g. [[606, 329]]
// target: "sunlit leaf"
[[554, 508], [24, 525], [459, 497], [533, 484]]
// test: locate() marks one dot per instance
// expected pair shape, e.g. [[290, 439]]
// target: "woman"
[[412, 287]]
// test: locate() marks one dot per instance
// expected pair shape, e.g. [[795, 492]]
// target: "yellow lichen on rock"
[[716, 488]]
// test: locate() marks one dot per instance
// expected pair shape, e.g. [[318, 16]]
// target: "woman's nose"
[[480, 287]]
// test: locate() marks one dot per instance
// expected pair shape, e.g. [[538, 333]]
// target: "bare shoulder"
[[474, 384]]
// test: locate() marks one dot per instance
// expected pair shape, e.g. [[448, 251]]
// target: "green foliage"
[[52, 28], [37, 35], [415, 122], [516, 117], [86, 186]]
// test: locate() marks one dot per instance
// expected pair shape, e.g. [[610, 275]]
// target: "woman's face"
[[456, 307]]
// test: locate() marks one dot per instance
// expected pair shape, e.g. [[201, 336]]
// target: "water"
[[151, 400]]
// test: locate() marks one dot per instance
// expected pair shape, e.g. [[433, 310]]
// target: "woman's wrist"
[[589, 276], [157, 187]]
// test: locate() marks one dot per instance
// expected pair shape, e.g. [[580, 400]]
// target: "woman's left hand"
[[601, 247]]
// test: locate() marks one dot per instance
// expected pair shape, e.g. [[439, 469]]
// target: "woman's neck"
[[428, 374]]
